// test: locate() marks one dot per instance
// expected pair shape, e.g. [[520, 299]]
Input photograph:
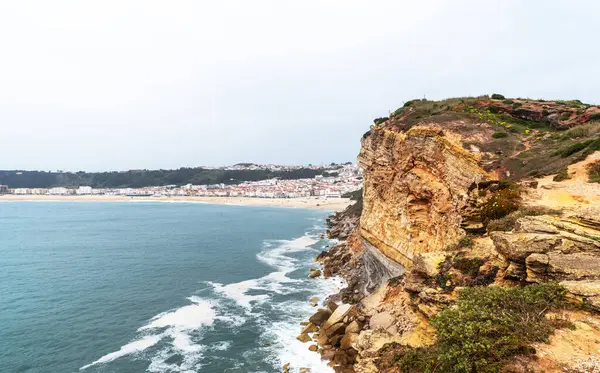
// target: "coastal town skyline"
[[341, 179]]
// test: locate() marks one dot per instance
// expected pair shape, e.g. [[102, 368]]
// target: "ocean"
[[125, 287]]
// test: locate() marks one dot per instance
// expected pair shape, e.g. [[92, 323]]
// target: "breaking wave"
[[271, 306]]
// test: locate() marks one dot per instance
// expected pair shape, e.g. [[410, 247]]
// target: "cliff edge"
[[476, 213]]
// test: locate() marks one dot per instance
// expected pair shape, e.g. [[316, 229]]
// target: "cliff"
[[463, 194]]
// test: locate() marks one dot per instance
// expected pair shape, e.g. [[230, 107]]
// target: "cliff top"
[[516, 138]]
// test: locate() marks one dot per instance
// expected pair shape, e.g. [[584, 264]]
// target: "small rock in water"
[[314, 274], [286, 368], [313, 348], [303, 338]]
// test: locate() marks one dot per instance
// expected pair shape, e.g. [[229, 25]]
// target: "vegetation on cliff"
[[524, 134], [486, 328], [594, 173]]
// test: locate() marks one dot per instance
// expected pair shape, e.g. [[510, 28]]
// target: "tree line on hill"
[[144, 178]]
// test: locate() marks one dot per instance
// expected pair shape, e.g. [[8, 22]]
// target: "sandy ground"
[[331, 204], [573, 193]]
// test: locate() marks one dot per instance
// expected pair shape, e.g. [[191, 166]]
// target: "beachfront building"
[[20, 191], [59, 191], [3, 189], [84, 190]]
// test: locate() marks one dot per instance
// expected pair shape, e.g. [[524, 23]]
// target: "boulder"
[[536, 268], [286, 368], [320, 316], [577, 266], [310, 328], [348, 341], [518, 246], [586, 291], [332, 306], [322, 339], [313, 348], [582, 288], [315, 274], [353, 327], [338, 315], [558, 266], [335, 329], [304, 338]]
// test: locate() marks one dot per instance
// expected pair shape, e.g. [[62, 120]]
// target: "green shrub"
[[561, 175], [593, 145], [508, 102], [487, 329], [466, 241], [545, 112], [583, 130], [493, 109], [499, 135], [517, 105], [380, 120], [500, 204], [468, 266], [491, 325], [565, 116], [595, 116], [497, 96], [407, 103], [572, 149], [406, 359], [398, 111], [594, 173]]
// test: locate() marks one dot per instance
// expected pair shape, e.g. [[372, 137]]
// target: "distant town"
[[339, 180]]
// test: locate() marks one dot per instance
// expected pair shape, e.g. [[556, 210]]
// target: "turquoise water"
[[155, 287]]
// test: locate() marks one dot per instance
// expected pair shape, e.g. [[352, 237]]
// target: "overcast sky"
[[115, 85]]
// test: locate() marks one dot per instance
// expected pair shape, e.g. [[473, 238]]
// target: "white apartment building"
[[83, 190], [58, 191]]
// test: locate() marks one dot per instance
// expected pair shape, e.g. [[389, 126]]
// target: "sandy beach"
[[331, 204]]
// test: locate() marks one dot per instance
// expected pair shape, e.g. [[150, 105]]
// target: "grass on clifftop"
[[483, 332], [527, 138]]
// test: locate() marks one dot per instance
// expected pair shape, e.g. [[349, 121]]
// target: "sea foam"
[[189, 317], [130, 348]]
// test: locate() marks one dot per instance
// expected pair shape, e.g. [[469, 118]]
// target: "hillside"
[[144, 178], [476, 244]]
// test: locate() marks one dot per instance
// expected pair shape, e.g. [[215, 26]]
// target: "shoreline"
[[315, 203]]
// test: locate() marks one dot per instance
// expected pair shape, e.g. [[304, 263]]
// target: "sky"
[[117, 85]]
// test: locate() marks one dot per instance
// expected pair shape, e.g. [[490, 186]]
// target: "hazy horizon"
[[107, 85]]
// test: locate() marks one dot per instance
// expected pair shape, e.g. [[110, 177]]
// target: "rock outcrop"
[[415, 185]]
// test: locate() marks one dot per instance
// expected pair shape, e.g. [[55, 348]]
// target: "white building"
[[58, 191], [82, 190]]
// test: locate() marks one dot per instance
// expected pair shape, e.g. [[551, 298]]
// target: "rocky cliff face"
[[416, 186], [420, 235]]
